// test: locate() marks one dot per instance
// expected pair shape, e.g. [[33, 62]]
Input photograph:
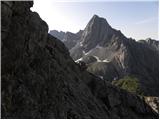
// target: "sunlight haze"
[[138, 20]]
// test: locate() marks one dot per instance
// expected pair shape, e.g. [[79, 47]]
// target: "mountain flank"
[[112, 56]]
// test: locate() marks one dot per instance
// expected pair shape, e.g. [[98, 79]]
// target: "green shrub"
[[129, 83]]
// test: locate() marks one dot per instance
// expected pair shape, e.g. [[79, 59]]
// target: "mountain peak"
[[96, 31], [95, 16], [98, 19]]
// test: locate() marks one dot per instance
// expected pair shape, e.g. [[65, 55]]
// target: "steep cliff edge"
[[40, 80]]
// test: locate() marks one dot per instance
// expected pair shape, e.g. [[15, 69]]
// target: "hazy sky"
[[138, 19]]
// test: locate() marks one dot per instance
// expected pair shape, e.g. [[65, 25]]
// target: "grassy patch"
[[129, 83]]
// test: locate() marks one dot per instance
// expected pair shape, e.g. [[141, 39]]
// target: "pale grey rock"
[[153, 102]]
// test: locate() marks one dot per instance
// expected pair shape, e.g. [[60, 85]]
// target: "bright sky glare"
[[136, 19]]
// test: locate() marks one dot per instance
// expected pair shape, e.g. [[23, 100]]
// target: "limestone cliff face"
[[40, 80]]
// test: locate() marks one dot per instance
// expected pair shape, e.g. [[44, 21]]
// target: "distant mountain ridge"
[[68, 38], [111, 55], [151, 43], [57, 34]]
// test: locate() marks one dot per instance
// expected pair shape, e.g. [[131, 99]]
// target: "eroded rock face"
[[40, 79]]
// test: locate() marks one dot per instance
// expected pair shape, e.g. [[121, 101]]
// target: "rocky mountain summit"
[[111, 56], [40, 80]]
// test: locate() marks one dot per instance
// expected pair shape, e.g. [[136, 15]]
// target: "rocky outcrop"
[[153, 102], [40, 80]]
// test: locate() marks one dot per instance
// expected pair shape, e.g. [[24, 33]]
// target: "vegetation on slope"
[[129, 83]]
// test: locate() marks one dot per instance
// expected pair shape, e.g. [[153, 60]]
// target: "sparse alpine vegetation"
[[129, 83]]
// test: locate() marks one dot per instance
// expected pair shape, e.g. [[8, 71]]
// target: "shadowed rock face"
[[40, 79]]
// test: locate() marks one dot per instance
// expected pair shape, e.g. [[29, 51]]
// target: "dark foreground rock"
[[40, 80]]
